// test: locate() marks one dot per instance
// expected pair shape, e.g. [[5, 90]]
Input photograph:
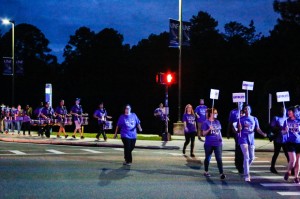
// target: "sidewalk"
[[175, 144]]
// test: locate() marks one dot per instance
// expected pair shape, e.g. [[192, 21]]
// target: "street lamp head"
[[7, 21]]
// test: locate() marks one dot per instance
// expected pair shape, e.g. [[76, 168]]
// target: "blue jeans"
[[248, 152], [218, 155]]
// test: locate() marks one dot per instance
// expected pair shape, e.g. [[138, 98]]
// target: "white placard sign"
[[283, 96], [238, 97], [214, 94], [248, 85]]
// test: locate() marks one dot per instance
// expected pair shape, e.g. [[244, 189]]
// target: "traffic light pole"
[[166, 136]]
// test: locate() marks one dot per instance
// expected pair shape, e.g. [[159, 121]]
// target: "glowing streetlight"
[[6, 22]]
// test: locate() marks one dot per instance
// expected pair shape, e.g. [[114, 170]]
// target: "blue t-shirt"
[[201, 111], [234, 115], [214, 137], [76, 109], [249, 124], [190, 120], [127, 125], [61, 110], [101, 114], [293, 135], [277, 123]]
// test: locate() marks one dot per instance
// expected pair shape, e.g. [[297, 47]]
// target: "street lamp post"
[[6, 21]]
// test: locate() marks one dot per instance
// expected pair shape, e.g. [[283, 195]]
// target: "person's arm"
[[116, 132], [261, 132], [206, 132], [139, 127]]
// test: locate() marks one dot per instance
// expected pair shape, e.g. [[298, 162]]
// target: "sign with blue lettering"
[[248, 85], [238, 97], [214, 94], [283, 96]]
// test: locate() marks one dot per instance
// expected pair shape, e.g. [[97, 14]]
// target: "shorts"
[[293, 147], [77, 124]]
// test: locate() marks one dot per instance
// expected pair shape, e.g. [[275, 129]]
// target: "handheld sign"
[[238, 97], [283, 96], [248, 86], [214, 94]]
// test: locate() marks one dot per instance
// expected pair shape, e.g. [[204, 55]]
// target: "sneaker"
[[73, 136], [127, 163], [97, 137], [183, 151], [296, 180], [81, 137], [192, 155], [58, 136], [206, 174], [66, 136], [286, 176], [247, 179], [273, 170], [222, 176]]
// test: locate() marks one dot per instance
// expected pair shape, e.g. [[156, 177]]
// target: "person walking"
[[61, 113], [27, 115], [211, 129], [279, 139], [127, 124], [200, 112], [291, 130], [190, 128], [160, 119], [234, 116], [76, 112], [246, 127], [101, 115]]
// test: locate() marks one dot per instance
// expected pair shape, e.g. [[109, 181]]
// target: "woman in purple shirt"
[[190, 129], [211, 129], [127, 124]]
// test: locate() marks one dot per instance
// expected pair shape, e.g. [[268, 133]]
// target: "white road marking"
[[289, 193], [280, 184], [91, 151], [17, 152], [55, 151]]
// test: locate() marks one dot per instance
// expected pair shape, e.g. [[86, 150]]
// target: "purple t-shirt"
[[190, 120], [293, 135], [278, 122], [127, 125], [76, 109], [101, 113], [213, 138], [234, 115], [61, 110], [249, 124], [201, 111]]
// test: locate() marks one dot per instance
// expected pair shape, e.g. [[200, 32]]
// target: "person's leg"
[[239, 157], [208, 153], [132, 146], [100, 127], [245, 150], [126, 149], [199, 131], [187, 141], [192, 144], [277, 147], [291, 164], [218, 155]]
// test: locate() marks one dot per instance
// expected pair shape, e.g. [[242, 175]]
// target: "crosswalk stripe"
[[289, 193], [17, 152], [91, 151], [55, 151], [254, 166], [266, 177], [280, 184], [260, 171]]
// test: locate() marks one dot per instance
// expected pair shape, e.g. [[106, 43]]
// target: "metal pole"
[[167, 110], [179, 60], [13, 63]]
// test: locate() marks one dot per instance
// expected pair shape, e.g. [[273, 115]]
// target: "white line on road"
[[266, 177], [280, 184], [289, 193], [17, 152], [55, 151], [92, 151], [260, 171], [254, 166]]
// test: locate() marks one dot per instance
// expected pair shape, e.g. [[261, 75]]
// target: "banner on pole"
[[19, 67], [7, 66], [174, 33], [238, 97], [214, 94], [248, 85], [283, 96]]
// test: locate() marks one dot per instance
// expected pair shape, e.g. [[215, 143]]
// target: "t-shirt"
[[293, 135], [76, 109], [127, 125], [61, 110], [190, 120], [249, 124], [278, 122], [201, 111], [101, 114], [214, 137]]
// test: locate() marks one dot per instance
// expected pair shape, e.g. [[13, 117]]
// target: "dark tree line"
[[98, 66]]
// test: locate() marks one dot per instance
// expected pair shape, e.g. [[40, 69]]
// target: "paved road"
[[60, 171]]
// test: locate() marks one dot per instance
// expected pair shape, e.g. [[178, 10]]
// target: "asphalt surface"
[[176, 142]]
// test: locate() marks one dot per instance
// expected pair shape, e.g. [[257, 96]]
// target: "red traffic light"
[[166, 78]]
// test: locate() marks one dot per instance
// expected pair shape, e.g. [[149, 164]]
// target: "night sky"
[[134, 19]]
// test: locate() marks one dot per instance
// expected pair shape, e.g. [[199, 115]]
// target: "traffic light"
[[166, 78]]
